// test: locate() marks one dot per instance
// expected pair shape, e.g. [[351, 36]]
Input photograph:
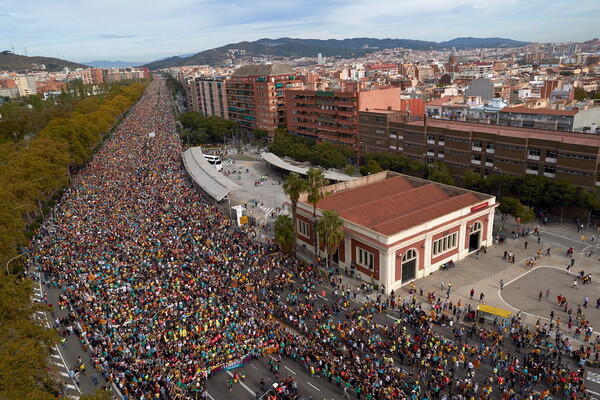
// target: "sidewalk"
[[484, 274]]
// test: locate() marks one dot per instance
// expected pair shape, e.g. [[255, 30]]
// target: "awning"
[[215, 184], [494, 311], [279, 163]]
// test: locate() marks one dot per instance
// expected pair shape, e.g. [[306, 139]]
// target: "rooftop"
[[391, 205], [543, 111], [511, 131]]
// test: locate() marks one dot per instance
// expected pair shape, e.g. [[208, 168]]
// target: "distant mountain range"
[[123, 64], [15, 62], [346, 48], [113, 64]]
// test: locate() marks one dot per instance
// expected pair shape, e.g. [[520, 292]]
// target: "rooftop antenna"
[[13, 48], [25, 49]]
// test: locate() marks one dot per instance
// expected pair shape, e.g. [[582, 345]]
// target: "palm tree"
[[316, 182], [293, 186], [331, 229], [284, 233]]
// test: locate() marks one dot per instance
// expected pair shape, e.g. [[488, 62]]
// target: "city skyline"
[[138, 31]]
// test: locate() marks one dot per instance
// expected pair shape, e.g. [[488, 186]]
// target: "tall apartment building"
[[208, 96], [91, 76], [333, 115], [485, 149], [255, 96], [26, 85]]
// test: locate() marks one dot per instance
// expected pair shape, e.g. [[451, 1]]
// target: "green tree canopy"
[[293, 186], [331, 229], [284, 233], [372, 167], [439, 172]]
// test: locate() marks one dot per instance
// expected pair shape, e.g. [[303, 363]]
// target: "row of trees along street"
[[41, 144]]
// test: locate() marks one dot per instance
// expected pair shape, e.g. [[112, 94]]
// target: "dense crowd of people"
[[166, 289]]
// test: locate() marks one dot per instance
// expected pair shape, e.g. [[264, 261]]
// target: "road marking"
[[62, 373], [389, 316], [243, 384], [594, 377], [210, 396], [64, 362], [317, 389], [57, 363], [253, 367], [321, 297], [55, 356], [289, 370], [72, 387]]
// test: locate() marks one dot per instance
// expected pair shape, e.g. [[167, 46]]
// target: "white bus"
[[215, 161]]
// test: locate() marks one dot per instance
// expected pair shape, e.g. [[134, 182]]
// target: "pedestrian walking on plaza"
[[575, 285], [547, 293], [526, 245], [572, 261], [551, 315], [539, 238], [548, 251], [540, 296], [472, 293], [501, 284], [95, 379], [481, 296], [442, 284], [585, 302]]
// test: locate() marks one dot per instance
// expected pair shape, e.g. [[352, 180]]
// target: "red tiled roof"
[[541, 111], [439, 102], [393, 205]]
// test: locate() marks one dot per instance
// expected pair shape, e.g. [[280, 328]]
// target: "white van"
[[215, 161]]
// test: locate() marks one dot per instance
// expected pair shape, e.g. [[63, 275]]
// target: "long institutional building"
[[483, 148], [399, 228]]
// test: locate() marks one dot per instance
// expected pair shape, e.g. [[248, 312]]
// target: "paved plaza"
[[521, 284]]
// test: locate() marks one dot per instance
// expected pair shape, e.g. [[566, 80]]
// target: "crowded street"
[[164, 294]]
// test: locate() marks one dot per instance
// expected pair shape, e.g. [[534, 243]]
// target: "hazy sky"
[[145, 30]]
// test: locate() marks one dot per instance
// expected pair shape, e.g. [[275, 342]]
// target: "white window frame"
[[303, 229], [446, 243], [365, 259]]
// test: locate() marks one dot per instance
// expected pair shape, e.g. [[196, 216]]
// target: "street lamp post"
[[499, 183]]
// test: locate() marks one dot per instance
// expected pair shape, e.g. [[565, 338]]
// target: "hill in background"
[[346, 48], [113, 64], [16, 62]]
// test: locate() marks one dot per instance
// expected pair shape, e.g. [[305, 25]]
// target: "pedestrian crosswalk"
[[57, 361], [272, 211]]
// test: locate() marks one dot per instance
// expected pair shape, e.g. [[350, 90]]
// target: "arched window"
[[409, 265], [477, 226], [409, 255]]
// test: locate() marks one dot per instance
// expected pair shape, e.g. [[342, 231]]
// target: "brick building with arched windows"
[[399, 228]]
